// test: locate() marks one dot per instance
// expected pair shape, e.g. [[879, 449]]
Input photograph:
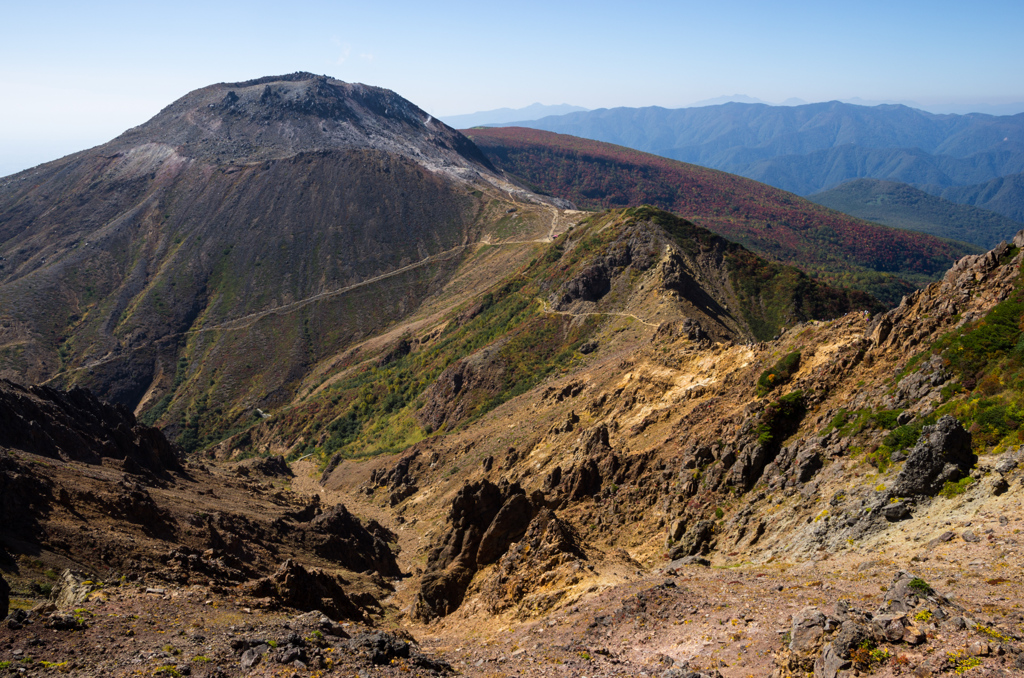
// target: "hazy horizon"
[[76, 76]]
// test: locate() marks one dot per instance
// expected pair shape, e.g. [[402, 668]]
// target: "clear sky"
[[76, 74]]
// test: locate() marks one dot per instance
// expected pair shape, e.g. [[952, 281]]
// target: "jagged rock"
[[590, 284], [508, 526], [400, 474], [134, 504], [829, 663], [598, 463], [452, 563], [943, 454], [295, 586], [24, 497], [850, 636], [75, 425], [382, 648], [252, 656], [807, 630], [695, 541], [549, 554], [339, 536], [273, 466]]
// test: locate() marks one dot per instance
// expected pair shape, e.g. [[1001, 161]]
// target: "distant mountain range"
[[959, 109], [502, 115], [1004, 195], [810, 148], [903, 206], [771, 222]]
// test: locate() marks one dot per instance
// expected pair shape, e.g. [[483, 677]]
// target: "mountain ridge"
[[903, 206], [807, 148], [776, 224]]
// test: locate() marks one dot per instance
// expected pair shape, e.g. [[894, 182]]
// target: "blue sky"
[[73, 75]]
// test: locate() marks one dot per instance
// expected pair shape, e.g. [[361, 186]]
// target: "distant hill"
[[902, 206], [502, 115], [1004, 195], [780, 225], [806, 149]]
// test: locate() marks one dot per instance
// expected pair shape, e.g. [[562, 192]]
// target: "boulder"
[[71, 590], [943, 454], [807, 631], [829, 663]]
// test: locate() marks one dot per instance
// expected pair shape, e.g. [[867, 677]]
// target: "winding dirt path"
[[546, 308]]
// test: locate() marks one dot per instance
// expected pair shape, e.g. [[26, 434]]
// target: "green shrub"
[[778, 374], [781, 418], [920, 586], [952, 489]]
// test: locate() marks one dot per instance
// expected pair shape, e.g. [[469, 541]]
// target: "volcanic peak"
[[280, 116]]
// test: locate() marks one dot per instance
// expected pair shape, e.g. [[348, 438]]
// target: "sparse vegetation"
[[781, 418], [920, 586], [955, 488], [778, 374]]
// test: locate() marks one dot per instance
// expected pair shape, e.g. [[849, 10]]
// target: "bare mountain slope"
[[203, 257]]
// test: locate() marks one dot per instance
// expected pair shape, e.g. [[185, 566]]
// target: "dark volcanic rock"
[[943, 454], [484, 520], [75, 425], [5, 597], [295, 586], [695, 541], [273, 466], [339, 536], [24, 497]]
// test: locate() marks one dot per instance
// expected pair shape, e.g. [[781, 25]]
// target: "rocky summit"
[[298, 384]]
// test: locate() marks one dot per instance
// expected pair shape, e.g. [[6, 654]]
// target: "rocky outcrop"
[[339, 536], [133, 503], [452, 396], [483, 521], [827, 643], [943, 454], [695, 540], [75, 425], [71, 590], [271, 466], [382, 648], [400, 480], [295, 586], [24, 497], [538, 570]]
